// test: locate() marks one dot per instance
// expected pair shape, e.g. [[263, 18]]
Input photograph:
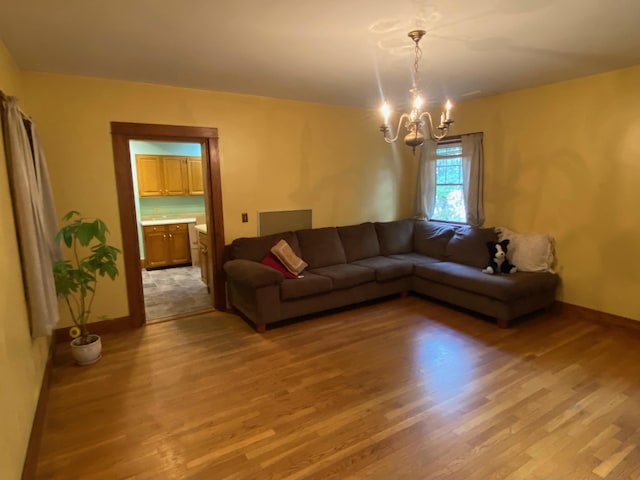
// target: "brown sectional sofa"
[[353, 264]]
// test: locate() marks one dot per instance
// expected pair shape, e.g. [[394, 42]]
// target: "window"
[[449, 204]]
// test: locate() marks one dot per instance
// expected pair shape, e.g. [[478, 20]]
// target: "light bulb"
[[386, 112], [417, 102]]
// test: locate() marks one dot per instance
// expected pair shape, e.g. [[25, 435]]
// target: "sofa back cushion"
[[431, 238], [395, 237], [321, 247], [255, 248], [359, 241], [469, 245]]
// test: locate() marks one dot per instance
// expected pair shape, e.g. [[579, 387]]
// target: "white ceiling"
[[346, 52]]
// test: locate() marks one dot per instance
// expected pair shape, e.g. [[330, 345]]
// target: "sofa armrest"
[[252, 274]]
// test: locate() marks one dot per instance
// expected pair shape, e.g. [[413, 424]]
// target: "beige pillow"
[[530, 252], [290, 260]]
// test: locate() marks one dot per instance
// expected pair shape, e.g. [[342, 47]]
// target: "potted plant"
[[76, 279]]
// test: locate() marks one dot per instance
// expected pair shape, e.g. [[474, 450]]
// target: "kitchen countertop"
[[201, 228], [167, 221]]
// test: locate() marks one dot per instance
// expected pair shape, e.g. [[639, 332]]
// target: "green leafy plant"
[[92, 257]]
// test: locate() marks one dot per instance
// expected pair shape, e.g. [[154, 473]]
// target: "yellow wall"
[[22, 360], [275, 154], [559, 159], [565, 159]]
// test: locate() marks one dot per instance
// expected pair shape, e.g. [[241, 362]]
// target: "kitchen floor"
[[170, 292]]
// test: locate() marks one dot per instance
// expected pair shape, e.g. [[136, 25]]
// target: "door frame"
[[207, 137]]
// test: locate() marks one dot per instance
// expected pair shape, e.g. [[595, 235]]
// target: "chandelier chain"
[[416, 64]]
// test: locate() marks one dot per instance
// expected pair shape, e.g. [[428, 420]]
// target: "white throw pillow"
[[530, 252], [289, 259]]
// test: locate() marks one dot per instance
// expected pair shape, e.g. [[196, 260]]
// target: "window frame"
[[449, 140]]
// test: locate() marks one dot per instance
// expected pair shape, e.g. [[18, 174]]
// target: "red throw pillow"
[[272, 261]]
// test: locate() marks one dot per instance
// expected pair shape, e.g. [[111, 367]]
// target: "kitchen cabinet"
[[166, 245], [194, 176], [174, 176], [169, 175], [150, 176], [203, 242]]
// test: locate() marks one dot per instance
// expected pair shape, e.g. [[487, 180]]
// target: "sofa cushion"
[[431, 238], [359, 241], [308, 284], [321, 247], [255, 248], [415, 259], [346, 275], [469, 245], [387, 268], [395, 237], [504, 287], [425, 271]]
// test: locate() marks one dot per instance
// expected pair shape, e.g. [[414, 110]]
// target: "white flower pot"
[[87, 354]]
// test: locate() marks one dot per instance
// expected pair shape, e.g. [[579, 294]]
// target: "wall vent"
[[283, 221]]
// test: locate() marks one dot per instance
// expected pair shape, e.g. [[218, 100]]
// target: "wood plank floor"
[[403, 389]]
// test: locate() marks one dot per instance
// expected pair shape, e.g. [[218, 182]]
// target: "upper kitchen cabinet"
[[168, 175], [194, 176], [150, 176], [174, 176]]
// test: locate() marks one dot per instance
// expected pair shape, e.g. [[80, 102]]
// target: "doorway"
[[207, 139], [170, 212]]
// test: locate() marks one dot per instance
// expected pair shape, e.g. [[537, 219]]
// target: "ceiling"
[[345, 52]]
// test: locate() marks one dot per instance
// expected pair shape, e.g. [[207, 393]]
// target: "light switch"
[[245, 218]]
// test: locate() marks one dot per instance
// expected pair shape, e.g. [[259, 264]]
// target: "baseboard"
[[30, 465], [100, 328], [597, 316]]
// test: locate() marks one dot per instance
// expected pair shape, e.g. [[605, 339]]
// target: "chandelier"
[[414, 121]]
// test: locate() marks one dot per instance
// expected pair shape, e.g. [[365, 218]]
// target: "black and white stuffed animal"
[[498, 262]]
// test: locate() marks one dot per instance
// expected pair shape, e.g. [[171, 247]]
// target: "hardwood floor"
[[403, 389]]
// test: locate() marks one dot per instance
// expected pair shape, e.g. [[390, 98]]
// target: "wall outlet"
[[245, 218]]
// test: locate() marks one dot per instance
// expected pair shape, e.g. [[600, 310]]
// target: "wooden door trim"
[[121, 134]]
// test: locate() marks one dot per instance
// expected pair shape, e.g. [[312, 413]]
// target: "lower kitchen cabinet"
[[166, 245]]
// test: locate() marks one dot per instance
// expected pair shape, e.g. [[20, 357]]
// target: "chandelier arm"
[[385, 129], [434, 136]]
